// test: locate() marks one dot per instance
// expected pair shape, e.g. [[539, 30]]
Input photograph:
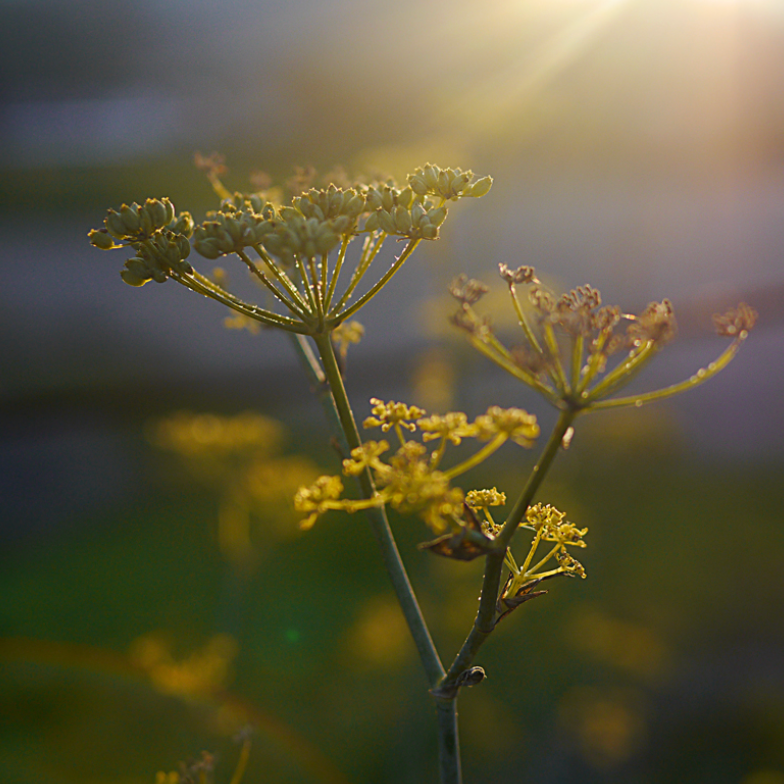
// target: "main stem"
[[448, 742]]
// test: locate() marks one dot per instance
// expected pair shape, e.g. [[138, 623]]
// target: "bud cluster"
[[293, 243], [331, 203], [136, 222], [160, 238], [157, 259], [294, 236], [230, 230], [447, 184], [403, 213]]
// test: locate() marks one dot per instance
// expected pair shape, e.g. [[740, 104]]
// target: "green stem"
[[577, 359], [201, 285], [565, 419], [318, 383], [317, 292], [515, 370], [369, 252], [382, 281], [293, 306], [700, 377], [485, 617], [448, 743], [306, 285], [281, 277], [379, 523], [554, 368], [338, 266], [622, 373], [478, 458], [523, 321]]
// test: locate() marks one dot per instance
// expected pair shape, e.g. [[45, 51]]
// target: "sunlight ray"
[[498, 98]]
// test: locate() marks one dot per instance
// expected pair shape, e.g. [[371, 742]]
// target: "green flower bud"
[[260, 230], [437, 216], [385, 222], [402, 220], [183, 224], [136, 272], [290, 213], [133, 280], [131, 218], [101, 238], [335, 200], [233, 229], [355, 206], [273, 242], [405, 197], [326, 240], [430, 175], [342, 224], [158, 213], [148, 227], [115, 225], [389, 198], [418, 212], [480, 187], [207, 247], [417, 184], [371, 224], [373, 199], [183, 245]]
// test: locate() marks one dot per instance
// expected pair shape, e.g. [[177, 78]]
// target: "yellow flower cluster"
[[550, 525], [412, 480], [321, 496], [554, 526], [389, 415]]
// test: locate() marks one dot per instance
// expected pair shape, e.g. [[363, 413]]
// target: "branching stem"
[[485, 617], [448, 745]]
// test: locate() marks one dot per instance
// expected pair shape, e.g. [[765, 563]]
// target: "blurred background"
[[155, 597]]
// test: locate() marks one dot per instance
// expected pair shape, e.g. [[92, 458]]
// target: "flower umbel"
[[412, 480], [569, 341], [300, 248], [549, 525]]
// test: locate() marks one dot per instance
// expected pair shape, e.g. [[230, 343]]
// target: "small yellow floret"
[[514, 423], [318, 498], [391, 414], [452, 426], [481, 499]]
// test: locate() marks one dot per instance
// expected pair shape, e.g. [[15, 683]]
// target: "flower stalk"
[[573, 353]]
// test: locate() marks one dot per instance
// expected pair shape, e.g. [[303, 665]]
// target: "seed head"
[[736, 321]]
